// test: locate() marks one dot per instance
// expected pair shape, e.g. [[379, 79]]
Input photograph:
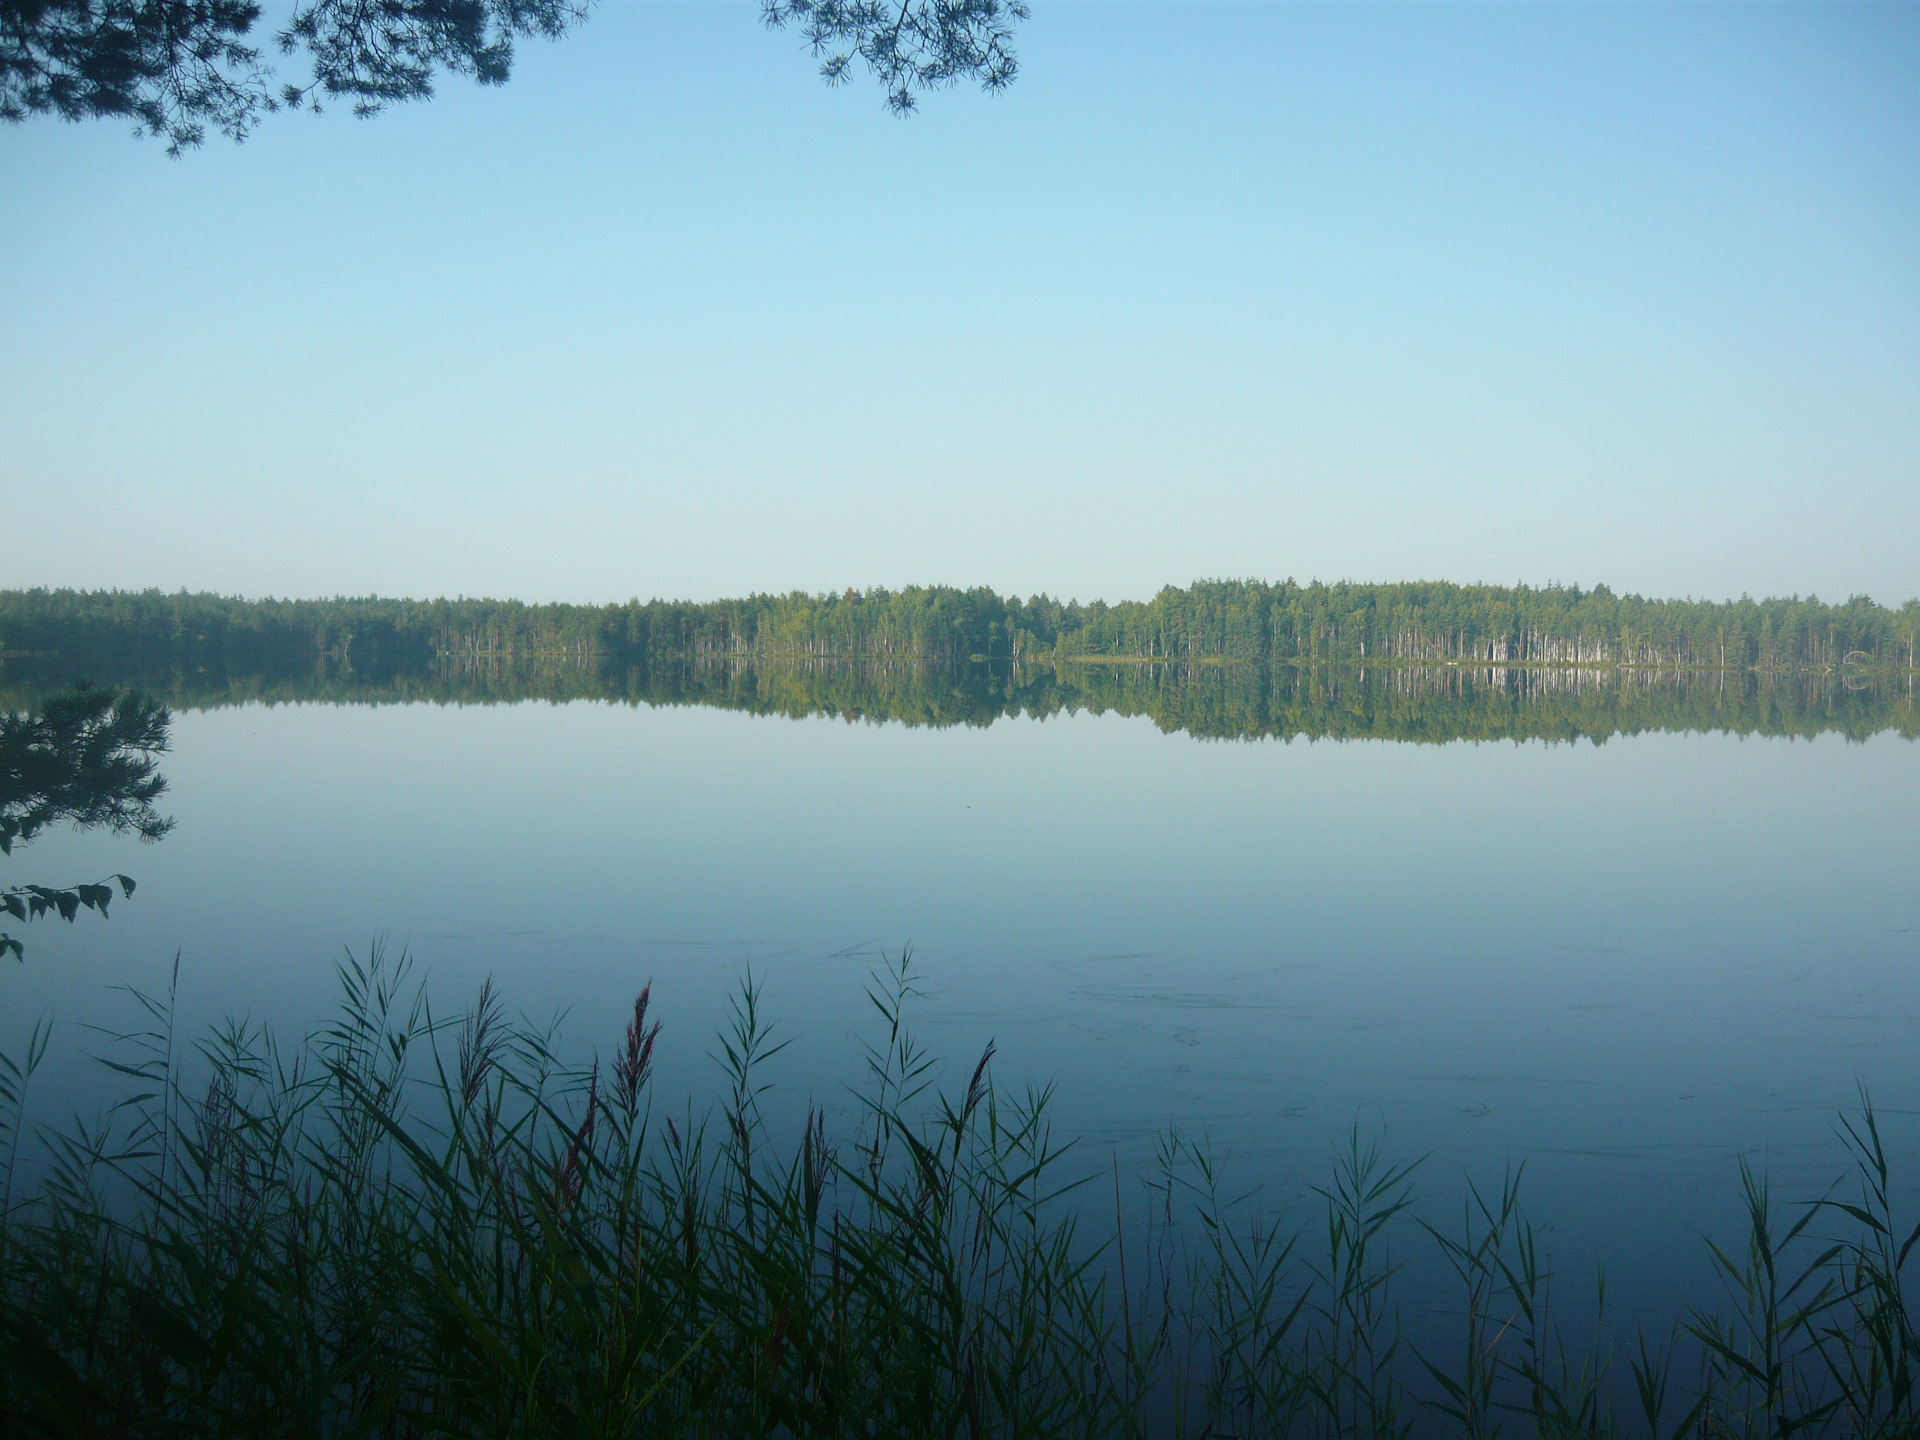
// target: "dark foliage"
[[173, 67], [85, 758], [916, 45], [178, 67], [376, 54]]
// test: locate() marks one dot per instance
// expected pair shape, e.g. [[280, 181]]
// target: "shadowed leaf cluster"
[[910, 47], [87, 758], [179, 67]]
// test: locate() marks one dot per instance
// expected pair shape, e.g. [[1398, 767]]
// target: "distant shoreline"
[[1282, 623]]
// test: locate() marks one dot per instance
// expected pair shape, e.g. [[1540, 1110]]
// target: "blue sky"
[[1577, 292]]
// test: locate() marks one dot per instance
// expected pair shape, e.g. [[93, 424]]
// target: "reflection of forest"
[[1432, 704]]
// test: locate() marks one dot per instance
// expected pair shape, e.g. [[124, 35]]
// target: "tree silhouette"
[[179, 67], [919, 45], [87, 758]]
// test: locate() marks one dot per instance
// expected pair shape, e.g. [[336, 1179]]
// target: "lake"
[[1626, 964]]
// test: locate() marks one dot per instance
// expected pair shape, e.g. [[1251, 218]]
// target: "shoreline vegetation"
[[409, 1225], [1284, 623], [1213, 661]]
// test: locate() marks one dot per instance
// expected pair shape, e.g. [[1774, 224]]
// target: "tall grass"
[[408, 1226]]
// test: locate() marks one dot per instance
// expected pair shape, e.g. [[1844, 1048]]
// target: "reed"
[[406, 1225]]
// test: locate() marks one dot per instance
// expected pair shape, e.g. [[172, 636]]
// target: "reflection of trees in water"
[[1438, 704], [1416, 703], [86, 758]]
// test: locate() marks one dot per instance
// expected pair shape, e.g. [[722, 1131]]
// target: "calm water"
[[1627, 964]]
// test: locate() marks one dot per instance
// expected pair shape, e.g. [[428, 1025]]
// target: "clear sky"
[[1580, 292]]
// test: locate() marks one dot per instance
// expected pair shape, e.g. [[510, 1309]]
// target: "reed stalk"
[[414, 1226]]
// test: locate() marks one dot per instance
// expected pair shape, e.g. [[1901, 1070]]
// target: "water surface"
[[1627, 963]]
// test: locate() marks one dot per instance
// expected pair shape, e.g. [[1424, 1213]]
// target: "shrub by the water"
[[403, 1227]]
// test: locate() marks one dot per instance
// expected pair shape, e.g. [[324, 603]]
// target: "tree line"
[[1283, 623]]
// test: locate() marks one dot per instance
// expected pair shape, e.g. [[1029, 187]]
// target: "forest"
[[1283, 624]]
